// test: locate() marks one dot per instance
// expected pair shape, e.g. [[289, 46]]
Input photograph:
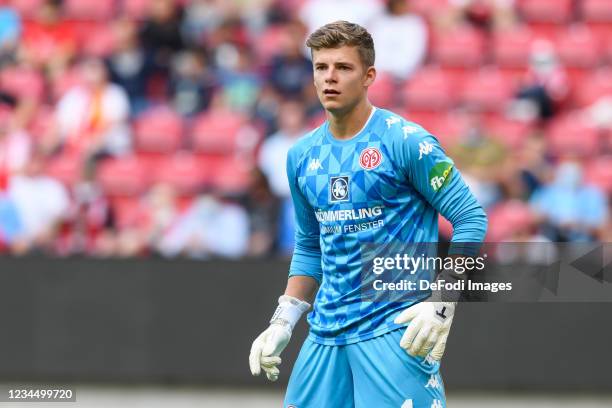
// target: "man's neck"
[[346, 125]]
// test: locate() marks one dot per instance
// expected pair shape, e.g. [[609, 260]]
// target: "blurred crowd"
[[140, 127]]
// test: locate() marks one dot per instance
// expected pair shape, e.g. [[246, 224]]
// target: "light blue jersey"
[[385, 185]]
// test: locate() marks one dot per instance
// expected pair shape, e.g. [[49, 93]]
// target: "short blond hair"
[[342, 33]]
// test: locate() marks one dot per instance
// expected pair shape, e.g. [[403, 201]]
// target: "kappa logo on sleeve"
[[392, 120], [424, 149], [408, 130], [440, 175]]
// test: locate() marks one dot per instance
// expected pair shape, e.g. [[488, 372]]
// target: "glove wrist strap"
[[289, 311]]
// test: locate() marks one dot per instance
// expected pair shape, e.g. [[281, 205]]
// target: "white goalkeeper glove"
[[266, 348], [429, 325]]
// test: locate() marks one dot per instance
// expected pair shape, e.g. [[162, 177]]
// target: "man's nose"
[[330, 76]]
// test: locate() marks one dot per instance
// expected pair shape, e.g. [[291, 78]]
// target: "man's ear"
[[369, 77]]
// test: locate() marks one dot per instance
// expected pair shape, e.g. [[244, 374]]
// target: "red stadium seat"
[[570, 135], [578, 47], [42, 122], [27, 9], [508, 218], [462, 47], [217, 132], [511, 48], [599, 172], [487, 90], [230, 175], [448, 129], [123, 177], [594, 87], [158, 130], [63, 82], [509, 132], [382, 91], [596, 10], [22, 82], [129, 212], [135, 9], [270, 42], [429, 89], [101, 10], [98, 40], [546, 11], [429, 8], [184, 171], [65, 168]]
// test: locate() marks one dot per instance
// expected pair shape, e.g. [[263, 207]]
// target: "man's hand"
[[266, 348], [428, 330]]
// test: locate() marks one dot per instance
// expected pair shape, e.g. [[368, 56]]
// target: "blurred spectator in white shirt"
[[316, 13], [41, 203], [92, 118], [273, 153], [400, 38], [210, 227]]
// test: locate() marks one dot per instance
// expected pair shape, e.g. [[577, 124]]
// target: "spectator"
[[239, 80], [263, 209], [161, 32], [40, 203], [273, 153], [15, 146], [129, 65], [290, 71], [316, 13], [546, 87], [192, 83], [92, 119], [10, 30], [196, 232], [571, 210], [394, 54], [483, 14], [49, 40]]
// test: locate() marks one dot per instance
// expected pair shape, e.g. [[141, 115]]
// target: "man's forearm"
[[302, 287]]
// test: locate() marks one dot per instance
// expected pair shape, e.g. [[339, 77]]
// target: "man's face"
[[340, 78]]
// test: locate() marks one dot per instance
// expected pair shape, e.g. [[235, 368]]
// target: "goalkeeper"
[[365, 177]]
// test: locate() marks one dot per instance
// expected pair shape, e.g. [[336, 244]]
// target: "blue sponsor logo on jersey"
[[339, 189]]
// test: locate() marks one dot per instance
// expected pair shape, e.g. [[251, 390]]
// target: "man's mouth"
[[330, 92]]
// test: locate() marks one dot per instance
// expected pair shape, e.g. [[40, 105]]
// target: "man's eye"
[[320, 68]]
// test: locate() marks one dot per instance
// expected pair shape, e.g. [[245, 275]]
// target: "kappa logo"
[[408, 130], [437, 404], [315, 164], [424, 149], [391, 121], [339, 189], [433, 382]]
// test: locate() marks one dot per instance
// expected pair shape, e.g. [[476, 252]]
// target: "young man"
[[365, 178]]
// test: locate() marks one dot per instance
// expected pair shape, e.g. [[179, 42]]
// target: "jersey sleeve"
[[306, 260], [434, 176]]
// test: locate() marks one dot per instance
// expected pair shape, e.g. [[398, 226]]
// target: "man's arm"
[[302, 287], [433, 174], [305, 274]]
